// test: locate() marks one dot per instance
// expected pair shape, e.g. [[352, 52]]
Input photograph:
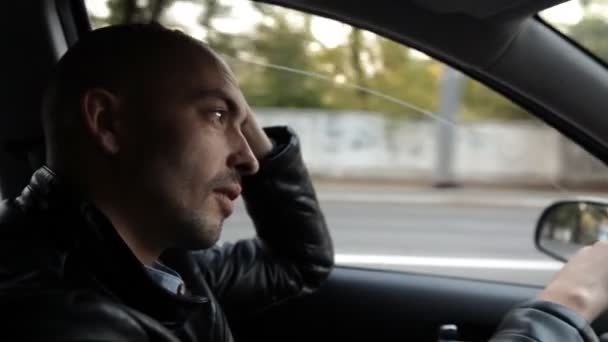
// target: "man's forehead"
[[213, 73], [200, 68], [214, 63]]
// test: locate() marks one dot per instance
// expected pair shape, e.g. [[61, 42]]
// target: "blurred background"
[[417, 166]]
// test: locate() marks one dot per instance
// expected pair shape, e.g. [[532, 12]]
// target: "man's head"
[[148, 121]]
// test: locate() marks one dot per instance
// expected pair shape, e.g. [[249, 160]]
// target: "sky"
[[328, 32], [568, 13]]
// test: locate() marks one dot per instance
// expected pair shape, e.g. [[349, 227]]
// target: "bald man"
[[149, 143]]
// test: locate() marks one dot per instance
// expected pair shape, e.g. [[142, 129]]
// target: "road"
[[482, 241]]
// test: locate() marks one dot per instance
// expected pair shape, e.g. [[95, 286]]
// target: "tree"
[[129, 11], [591, 33], [274, 59], [481, 102], [355, 42], [277, 43], [412, 80], [213, 9]]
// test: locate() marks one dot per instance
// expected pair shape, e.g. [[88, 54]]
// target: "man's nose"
[[242, 158]]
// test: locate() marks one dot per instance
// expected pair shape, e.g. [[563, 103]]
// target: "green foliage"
[[413, 80], [480, 102], [278, 43], [131, 11], [364, 72], [591, 33]]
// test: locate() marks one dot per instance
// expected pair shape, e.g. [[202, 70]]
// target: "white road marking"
[[436, 199], [477, 263]]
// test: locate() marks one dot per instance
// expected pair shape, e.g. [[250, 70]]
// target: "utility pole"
[[450, 94]]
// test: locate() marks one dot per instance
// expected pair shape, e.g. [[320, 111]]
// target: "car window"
[[417, 166], [585, 21]]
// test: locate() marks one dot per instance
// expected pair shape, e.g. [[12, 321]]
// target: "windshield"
[[585, 21]]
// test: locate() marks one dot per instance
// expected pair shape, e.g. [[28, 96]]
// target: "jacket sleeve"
[[292, 253], [541, 321]]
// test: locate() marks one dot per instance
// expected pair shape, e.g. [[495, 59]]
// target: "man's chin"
[[198, 234], [202, 240]]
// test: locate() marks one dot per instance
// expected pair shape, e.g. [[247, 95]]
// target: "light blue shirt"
[[166, 278]]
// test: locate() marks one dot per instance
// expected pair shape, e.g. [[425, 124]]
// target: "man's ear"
[[101, 110]]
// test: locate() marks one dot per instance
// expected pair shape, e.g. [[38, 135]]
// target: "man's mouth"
[[231, 191], [226, 196]]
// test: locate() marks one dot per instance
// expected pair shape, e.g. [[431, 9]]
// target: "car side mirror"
[[565, 227]]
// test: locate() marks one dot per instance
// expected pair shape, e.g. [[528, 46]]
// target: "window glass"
[[585, 21], [417, 167]]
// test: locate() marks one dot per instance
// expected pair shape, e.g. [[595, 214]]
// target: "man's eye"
[[218, 116]]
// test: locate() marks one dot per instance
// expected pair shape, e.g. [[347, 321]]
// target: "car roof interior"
[[499, 42]]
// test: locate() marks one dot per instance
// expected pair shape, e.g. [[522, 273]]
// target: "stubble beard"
[[196, 229]]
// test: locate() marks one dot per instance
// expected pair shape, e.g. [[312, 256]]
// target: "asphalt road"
[[491, 242]]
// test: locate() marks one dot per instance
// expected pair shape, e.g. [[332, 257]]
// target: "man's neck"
[[102, 193], [144, 250]]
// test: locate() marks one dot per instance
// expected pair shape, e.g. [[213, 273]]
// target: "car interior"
[[503, 44]]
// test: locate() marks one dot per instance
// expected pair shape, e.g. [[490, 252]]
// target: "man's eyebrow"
[[218, 94]]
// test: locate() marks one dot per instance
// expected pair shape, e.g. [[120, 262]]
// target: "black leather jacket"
[[539, 321], [66, 275]]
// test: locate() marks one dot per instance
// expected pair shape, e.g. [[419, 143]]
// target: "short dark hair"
[[116, 58]]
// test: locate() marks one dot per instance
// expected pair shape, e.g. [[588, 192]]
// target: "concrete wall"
[[371, 146]]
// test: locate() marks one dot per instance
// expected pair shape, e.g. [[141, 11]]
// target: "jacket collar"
[[98, 250]]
